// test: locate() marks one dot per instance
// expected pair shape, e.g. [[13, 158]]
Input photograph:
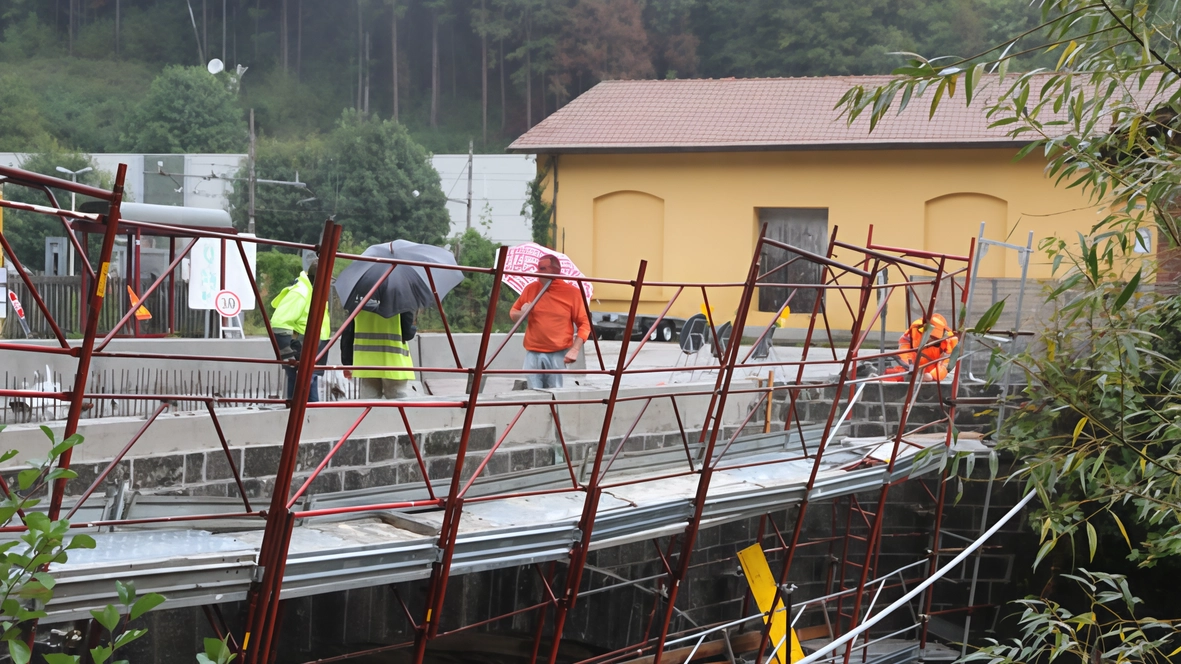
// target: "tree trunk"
[[503, 105], [71, 27], [204, 26], [117, 18], [454, 85], [283, 37], [366, 73], [360, 57], [434, 68], [298, 38], [394, 48], [528, 73], [484, 70]]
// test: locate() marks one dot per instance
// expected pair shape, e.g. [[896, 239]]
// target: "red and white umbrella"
[[524, 257]]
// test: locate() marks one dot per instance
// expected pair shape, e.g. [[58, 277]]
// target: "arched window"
[[629, 227]]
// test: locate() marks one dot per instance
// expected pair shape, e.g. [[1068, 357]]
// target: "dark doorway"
[[806, 228]]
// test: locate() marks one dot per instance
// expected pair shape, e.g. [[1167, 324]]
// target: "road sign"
[[227, 303], [141, 312], [20, 313], [205, 272]]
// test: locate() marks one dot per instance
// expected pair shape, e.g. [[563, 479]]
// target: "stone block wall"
[[880, 407]]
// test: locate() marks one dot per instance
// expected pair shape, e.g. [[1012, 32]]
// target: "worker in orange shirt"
[[558, 325], [934, 358]]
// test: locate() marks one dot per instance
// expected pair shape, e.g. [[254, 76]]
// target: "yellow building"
[[684, 173]]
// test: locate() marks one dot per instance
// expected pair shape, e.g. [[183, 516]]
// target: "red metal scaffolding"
[[853, 287]]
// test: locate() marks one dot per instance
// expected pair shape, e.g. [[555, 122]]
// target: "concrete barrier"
[[221, 355]]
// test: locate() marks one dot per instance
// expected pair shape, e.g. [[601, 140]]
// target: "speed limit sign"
[[228, 303]]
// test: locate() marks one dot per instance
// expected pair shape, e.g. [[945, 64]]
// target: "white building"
[[499, 184]]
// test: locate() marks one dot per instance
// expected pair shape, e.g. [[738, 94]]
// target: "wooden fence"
[[63, 298]]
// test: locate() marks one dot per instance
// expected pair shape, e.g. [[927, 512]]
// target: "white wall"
[[499, 184], [199, 190]]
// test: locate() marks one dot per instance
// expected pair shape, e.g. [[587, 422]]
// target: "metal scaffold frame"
[[853, 282]]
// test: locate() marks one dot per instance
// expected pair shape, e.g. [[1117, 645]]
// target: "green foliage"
[[28, 38], [548, 51], [539, 211], [22, 124], [467, 304], [364, 174], [26, 587], [276, 271], [769, 38], [1099, 434], [374, 169], [85, 103], [26, 231], [1109, 630], [216, 652], [186, 110]]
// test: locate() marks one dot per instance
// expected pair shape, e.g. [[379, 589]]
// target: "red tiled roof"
[[749, 114]]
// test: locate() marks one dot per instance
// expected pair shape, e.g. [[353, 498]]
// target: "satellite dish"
[[215, 66]]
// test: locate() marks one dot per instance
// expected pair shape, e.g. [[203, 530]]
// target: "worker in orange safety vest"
[[934, 357]]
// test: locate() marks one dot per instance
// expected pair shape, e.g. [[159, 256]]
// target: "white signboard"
[[205, 273]]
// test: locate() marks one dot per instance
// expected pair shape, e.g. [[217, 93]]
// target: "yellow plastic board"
[[762, 586]]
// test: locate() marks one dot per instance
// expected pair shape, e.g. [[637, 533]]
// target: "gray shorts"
[[535, 360]]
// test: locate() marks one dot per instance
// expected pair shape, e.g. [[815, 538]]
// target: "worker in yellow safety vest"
[[373, 341], [289, 322]]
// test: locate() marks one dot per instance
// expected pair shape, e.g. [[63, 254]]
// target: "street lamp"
[[73, 203]]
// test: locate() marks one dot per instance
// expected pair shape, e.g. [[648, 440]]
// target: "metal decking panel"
[[491, 541]]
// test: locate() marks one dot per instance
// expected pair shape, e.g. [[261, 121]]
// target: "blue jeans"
[[554, 360], [313, 396]]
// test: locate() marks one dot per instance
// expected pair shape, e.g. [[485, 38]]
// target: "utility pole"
[[470, 158], [250, 158]]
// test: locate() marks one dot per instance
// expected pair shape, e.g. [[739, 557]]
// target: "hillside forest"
[[351, 96], [74, 72]]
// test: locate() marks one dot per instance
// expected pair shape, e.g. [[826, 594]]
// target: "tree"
[[1098, 436], [674, 46], [534, 23], [539, 212], [605, 39], [22, 125], [186, 110], [26, 231], [365, 174], [370, 182]]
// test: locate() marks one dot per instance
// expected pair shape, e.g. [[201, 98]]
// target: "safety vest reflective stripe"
[[376, 335], [359, 348]]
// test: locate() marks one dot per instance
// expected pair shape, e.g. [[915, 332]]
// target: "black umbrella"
[[407, 288]]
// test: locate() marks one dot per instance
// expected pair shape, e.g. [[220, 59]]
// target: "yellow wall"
[[608, 211]]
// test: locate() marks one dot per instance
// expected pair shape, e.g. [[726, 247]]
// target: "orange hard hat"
[[938, 324]]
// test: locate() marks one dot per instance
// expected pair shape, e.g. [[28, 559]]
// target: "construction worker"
[[371, 340], [934, 358], [289, 322]]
